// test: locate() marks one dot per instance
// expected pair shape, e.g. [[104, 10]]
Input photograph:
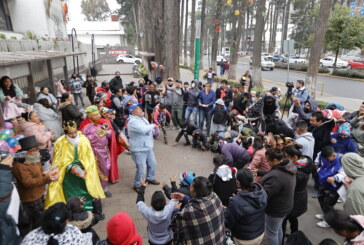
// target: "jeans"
[[205, 115], [78, 95], [192, 110], [142, 159], [177, 115], [273, 230]]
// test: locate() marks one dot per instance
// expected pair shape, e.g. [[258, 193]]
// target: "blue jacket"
[[140, 134], [343, 146], [246, 212], [301, 94], [207, 99], [330, 169]]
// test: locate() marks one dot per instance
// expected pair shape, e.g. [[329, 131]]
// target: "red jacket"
[[102, 90]]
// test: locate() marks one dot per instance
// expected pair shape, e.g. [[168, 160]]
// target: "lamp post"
[[74, 34], [197, 49]]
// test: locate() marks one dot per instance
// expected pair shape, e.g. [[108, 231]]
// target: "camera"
[[18, 156], [290, 85]]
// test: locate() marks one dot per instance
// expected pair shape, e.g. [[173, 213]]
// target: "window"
[[5, 22]]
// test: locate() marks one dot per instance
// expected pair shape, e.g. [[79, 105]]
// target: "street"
[[339, 87]]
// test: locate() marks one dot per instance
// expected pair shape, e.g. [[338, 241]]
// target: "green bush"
[[2, 36], [349, 73], [299, 67]]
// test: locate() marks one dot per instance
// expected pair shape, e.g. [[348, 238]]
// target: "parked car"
[[356, 64], [268, 56], [127, 58], [219, 58], [267, 64], [329, 62], [296, 60], [279, 58]]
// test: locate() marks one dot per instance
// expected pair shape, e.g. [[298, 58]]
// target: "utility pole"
[[197, 49]]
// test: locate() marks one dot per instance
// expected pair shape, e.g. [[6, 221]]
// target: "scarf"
[[74, 141], [32, 159], [223, 94]]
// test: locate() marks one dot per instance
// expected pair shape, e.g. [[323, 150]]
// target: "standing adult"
[[185, 88], [69, 111], [102, 137], [117, 105], [300, 94], [224, 93], [192, 102], [177, 105], [279, 183], [206, 101], [168, 94], [116, 82], [151, 100], [77, 169], [76, 88], [90, 85], [247, 82], [210, 76], [44, 94], [31, 181], [226, 67], [222, 67], [141, 146], [245, 213]]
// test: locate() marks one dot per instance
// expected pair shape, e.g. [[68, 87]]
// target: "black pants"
[[327, 199], [168, 243], [91, 98], [294, 225], [33, 210], [185, 134]]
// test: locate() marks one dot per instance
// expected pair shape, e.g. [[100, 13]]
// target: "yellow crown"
[[69, 125]]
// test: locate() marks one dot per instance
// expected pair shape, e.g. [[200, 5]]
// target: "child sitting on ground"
[[84, 220], [342, 142], [185, 178], [187, 129], [158, 216], [160, 118], [199, 140]]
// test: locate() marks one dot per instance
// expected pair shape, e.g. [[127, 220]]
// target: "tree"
[[203, 27], [193, 33], [185, 36], [318, 42], [95, 10], [344, 31], [257, 45], [181, 28], [237, 29], [216, 32]]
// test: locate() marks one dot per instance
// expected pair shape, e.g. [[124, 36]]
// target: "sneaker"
[[153, 182], [319, 216], [323, 224], [315, 194], [340, 200], [137, 189], [108, 194]]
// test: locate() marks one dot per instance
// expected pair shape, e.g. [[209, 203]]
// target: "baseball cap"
[[132, 107]]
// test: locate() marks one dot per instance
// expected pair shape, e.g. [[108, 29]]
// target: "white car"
[[329, 62], [219, 58], [296, 60], [267, 55], [127, 58], [267, 64]]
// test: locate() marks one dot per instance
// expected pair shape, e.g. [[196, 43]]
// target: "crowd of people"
[[65, 156]]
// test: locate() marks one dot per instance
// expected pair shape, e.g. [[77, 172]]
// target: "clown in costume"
[[77, 169]]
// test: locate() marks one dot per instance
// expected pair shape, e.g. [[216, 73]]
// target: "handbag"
[[44, 155]]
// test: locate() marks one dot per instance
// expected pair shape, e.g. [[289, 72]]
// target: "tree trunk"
[[286, 19], [142, 9], [244, 32], [158, 34], [170, 49], [193, 34], [237, 31], [202, 38], [316, 48], [272, 47], [185, 37], [266, 19], [335, 65], [257, 46], [181, 29], [215, 37]]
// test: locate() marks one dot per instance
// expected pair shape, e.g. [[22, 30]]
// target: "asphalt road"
[[340, 87]]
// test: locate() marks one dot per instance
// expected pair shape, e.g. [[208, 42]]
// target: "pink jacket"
[[259, 162], [359, 240], [156, 114], [44, 138]]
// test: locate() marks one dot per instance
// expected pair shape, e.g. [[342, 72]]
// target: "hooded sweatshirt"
[[245, 214], [353, 165], [280, 183], [308, 143], [306, 116], [359, 240], [140, 134], [322, 135]]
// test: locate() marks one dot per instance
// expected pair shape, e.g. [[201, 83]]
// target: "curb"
[[319, 74]]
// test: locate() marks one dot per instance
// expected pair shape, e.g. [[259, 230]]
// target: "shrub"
[[2, 36], [299, 67], [349, 73]]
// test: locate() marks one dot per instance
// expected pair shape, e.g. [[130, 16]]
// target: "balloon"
[[12, 150], [9, 125], [3, 137], [19, 136], [4, 145], [12, 142], [7, 132]]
